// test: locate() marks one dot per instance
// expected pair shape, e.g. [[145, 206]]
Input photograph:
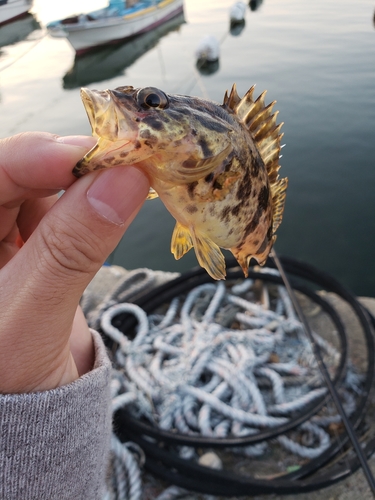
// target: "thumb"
[[42, 285]]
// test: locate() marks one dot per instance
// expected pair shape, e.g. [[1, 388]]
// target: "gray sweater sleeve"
[[54, 445]]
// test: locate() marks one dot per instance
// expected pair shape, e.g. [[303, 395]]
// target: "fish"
[[215, 167]]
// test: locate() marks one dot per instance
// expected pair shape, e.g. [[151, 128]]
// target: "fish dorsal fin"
[[233, 99], [278, 192], [261, 124], [244, 104]]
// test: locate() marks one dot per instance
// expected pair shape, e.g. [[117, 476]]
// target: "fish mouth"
[[105, 114], [89, 107], [96, 103]]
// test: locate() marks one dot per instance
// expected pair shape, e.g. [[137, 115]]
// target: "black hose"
[[329, 383]]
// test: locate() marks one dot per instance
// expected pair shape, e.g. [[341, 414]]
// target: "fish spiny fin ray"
[[261, 124], [181, 241], [152, 194], [226, 98], [278, 192], [209, 255], [253, 110], [245, 103], [233, 99]]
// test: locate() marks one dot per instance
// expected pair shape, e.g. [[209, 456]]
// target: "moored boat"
[[118, 21], [13, 9]]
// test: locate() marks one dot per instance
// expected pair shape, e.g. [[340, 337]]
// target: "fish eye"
[[151, 97]]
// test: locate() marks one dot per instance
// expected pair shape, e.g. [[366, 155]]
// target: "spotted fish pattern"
[[215, 167]]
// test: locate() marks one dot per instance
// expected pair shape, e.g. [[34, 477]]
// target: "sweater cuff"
[[55, 444]]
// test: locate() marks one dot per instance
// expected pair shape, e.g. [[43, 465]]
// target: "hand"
[[50, 249]]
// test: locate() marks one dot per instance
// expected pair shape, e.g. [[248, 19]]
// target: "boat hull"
[[97, 33], [11, 10]]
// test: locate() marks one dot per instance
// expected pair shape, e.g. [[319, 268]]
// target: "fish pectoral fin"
[[152, 194], [278, 192], [209, 255], [181, 241]]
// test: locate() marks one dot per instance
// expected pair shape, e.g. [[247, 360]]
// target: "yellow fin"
[[233, 99], [261, 124], [181, 241], [152, 194], [209, 255], [244, 104], [278, 191]]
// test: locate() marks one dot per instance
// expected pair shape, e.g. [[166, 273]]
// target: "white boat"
[[13, 9], [115, 22]]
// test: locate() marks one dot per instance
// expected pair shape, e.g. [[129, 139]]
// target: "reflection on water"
[[255, 4], [207, 67], [316, 58], [111, 60], [237, 28], [18, 30]]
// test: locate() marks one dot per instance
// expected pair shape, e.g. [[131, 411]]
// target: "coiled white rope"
[[218, 364]]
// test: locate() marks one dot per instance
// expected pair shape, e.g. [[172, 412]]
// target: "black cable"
[[169, 466], [323, 369]]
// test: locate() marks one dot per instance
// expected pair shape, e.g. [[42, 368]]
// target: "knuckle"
[[72, 251]]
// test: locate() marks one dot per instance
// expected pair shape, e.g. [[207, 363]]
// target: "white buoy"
[[208, 49], [237, 12]]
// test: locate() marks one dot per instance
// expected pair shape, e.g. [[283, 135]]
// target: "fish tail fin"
[[181, 241]]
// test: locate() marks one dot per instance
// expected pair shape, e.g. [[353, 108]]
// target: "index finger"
[[38, 164]]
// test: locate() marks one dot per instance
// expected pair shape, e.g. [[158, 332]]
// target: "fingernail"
[[84, 141], [116, 193]]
